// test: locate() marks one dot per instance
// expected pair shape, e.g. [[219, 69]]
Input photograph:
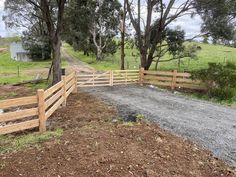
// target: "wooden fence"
[[109, 78], [33, 111], [170, 79]]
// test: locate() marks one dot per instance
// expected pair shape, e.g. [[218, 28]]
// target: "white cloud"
[[3, 31], [191, 26]]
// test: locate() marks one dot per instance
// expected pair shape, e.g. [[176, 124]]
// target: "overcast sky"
[[190, 25]]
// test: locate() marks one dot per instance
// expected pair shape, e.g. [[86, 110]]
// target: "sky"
[[3, 31], [190, 25]]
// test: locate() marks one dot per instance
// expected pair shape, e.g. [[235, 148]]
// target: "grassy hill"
[[5, 42], [208, 53]]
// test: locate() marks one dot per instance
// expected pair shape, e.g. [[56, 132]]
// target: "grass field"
[[12, 71], [208, 53], [109, 63]]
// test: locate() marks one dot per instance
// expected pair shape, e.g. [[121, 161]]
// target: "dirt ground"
[[210, 125], [96, 143], [9, 91]]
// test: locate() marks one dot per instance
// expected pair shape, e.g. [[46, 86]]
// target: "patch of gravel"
[[210, 125]]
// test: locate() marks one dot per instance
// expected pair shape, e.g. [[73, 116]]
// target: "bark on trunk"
[[148, 62], [122, 55], [56, 54], [99, 53]]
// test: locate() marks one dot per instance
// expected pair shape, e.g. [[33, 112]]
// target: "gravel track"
[[210, 125]]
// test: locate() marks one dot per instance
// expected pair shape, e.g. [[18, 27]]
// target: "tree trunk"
[[122, 57], [56, 53], [148, 62], [99, 53]]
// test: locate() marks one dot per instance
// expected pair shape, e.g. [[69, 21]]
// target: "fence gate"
[[109, 78]]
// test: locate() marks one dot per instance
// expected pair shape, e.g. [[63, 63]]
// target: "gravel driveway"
[[210, 125]]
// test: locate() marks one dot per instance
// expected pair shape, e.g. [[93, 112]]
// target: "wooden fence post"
[[141, 76], [111, 78], [75, 80], [173, 85], [93, 79], [64, 90], [41, 108], [126, 77]]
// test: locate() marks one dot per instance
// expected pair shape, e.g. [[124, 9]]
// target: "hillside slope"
[[208, 53]]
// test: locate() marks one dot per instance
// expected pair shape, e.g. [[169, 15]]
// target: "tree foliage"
[[28, 13], [219, 18], [220, 79], [151, 28], [93, 32]]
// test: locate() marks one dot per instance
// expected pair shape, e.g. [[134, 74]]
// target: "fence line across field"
[[33, 111]]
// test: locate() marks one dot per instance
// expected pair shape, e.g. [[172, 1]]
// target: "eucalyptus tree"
[[219, 18], [26, 13], [150, 20], [95, 21]]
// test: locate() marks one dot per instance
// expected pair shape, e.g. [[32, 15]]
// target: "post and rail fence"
[[33, 111], [172, 79], [108, 78]]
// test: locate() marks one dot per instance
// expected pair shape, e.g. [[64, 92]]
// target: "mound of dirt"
[[96, 143]]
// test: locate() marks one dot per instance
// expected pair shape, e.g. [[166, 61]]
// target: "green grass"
[[9, 69], [9, 65], [5, 42], [205, 97], [16, 143], [109, 63], [208, 53]]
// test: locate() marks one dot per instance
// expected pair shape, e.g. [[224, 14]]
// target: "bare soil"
[[95, 143], [208, 124], [9, 91]]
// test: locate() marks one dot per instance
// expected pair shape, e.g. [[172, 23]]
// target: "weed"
[[9, 144]]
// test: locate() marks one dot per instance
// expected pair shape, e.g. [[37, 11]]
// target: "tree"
[[205, 39], [99, 24], [76, 31], [173, 44], [159, 15], [218, 17], [122, 32], [36, 41], [25, 13]]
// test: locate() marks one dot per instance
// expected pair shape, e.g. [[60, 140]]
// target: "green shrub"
[[223, 93], [219, 78]]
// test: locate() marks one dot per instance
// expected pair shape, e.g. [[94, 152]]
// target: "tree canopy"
[[95, 30]]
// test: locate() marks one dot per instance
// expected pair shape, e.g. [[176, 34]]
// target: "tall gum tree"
[[149, 28], [24, 13]]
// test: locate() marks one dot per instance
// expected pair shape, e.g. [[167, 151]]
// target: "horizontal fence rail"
[[33, 111], [109, 78], [170, 79]]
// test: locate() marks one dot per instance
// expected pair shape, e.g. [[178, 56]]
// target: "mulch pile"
[[95, 143]]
